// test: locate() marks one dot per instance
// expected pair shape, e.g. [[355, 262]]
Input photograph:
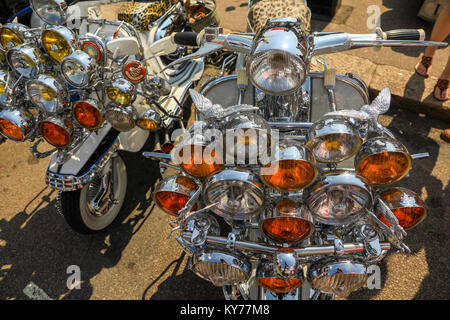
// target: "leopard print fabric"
[[141, 15], [264, 10]]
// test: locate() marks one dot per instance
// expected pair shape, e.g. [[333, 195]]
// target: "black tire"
[[78, 218]]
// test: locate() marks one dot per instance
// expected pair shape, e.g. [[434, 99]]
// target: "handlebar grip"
[[186, 38], [405, 34]]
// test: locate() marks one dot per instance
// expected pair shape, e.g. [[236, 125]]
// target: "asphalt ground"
[[133, 259]]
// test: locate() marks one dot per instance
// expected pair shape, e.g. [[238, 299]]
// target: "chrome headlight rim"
[[93, 103], [291, 151], [240, 176], [129, 111], [61, 122], [19, 29], [67, 34], [332, 126], [61, 6], [327, 267], [53, 84], [409, 199], [23, 119], [275, 270], [233, 260], [125, 87], [301, 213], [379, 145], [32, 53], [261, 55], [339, 178], [86, 62]]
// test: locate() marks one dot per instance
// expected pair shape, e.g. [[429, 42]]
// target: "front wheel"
[[97, 205]]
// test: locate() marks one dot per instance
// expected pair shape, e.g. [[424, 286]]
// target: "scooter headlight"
[[50, 11], [221, 268], [11, 35], [150, 120], [47, 93], [88, 114], [292, 169], [172, 193], [339, 198], [239, 193], [25, 60], [337, 276], [279, 57], [333, 140], [122, 119], [77, 69], [56, 131], [16, 124], [406, 205], [59, 42], [382, 161], [122, 92]]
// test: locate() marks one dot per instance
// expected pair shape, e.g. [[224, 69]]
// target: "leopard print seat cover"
[[264, 10]]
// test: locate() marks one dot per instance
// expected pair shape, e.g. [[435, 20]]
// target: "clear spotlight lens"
[[238, 192], [339, 198], [277, 72], [25, 60], [78, 68], [122, 119], [50, 11], [221, 268]]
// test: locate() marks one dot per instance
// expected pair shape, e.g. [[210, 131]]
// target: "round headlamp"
[[287, 222], [122, 119], [333, 139], [337, 276], [221, 268], [50, 11], [150, 120], [282, 275], [25, 60], [196, 157], [172, 193], [11, 35], [291, 169], [88, 114], [122, 92], [59, 42], [78, 68], [279, 57], [406, 205], [382, 161], [239, 193], [56, 131], [16, 124], [247, 138], [339, 198], [47, 93]]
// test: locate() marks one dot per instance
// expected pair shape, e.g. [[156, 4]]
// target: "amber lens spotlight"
[[56, 131], [382, 161], [288, 222], [172, 193], [59, 42], [406, 205], [88, 114], [291, 170], [16, 125], [122, 92], [333, 140], [11, 35], [48, 94], [282, 275]]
